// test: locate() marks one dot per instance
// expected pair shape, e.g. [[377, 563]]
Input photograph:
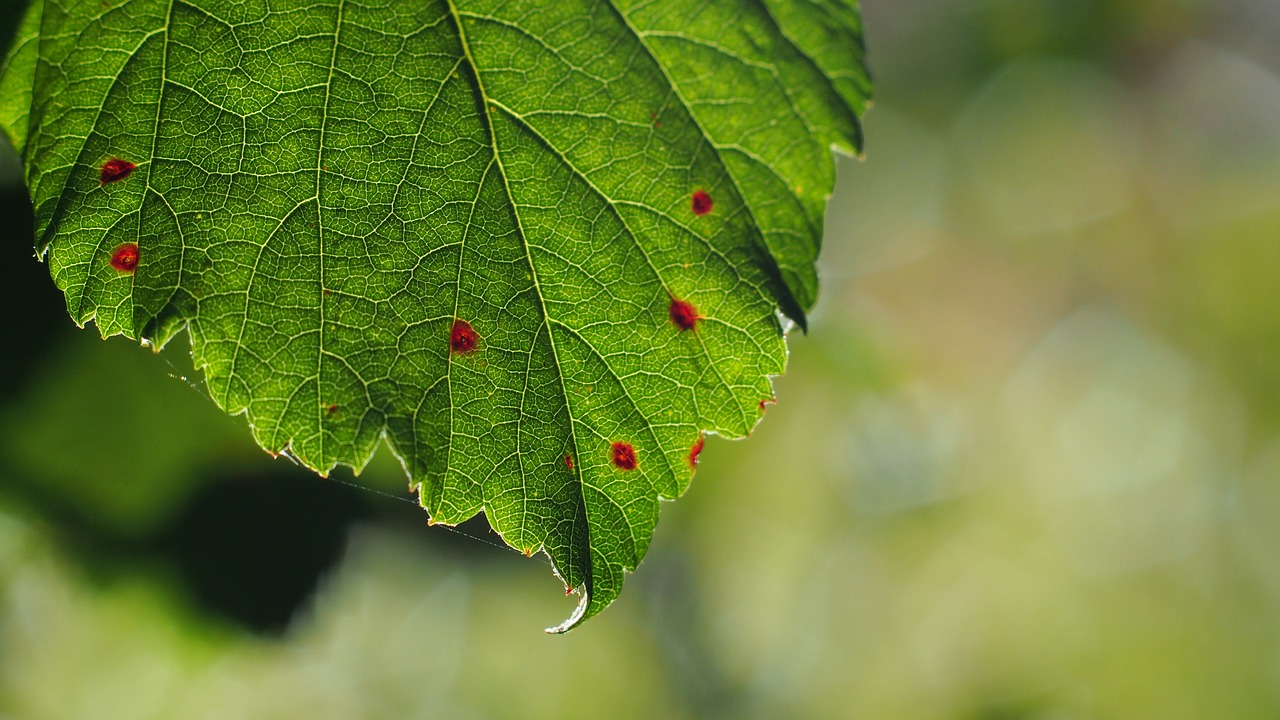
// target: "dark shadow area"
[[35, 314], [11, 12], [250, 546], [253, 548]]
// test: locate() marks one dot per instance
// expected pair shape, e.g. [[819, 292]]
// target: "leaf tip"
[[579, 613]]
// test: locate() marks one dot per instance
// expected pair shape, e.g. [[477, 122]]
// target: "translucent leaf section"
[[537, 248]]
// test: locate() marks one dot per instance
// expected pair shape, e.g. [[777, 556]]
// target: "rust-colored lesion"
[[701, 202], [683, 314], [462, 338], [125, 258], [115, 170], [623, 456]]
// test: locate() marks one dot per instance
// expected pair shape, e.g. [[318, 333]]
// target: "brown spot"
[[702, 203], [696, 450], [568, 461], [332, 410], [683, 314], [462, 339], [125, 258], [766, 402], [624, 456], [115, 170], [327, 292]]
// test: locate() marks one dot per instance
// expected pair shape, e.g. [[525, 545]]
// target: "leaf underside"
[[537, 247]]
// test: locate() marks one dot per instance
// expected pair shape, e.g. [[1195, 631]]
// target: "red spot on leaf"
[[125, 258], [624, 456], [696, 450], [462, 339], [115, 170], [766, 402], [702, 203], [332, 410], [327, 292], [683, 314], [568, 461]]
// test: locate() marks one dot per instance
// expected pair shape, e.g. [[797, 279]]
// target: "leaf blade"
[[324, 193]]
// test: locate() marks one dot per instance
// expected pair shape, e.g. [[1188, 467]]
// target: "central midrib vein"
[[546, 320]]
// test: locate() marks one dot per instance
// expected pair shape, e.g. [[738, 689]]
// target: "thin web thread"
[[202, 392], [450, 528]]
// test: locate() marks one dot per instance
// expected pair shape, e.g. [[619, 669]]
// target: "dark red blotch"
[[115, 170], [125, 257], [683, 314], [702, 203], [696, 450], [462, 339], [568, 461], [624, 456]]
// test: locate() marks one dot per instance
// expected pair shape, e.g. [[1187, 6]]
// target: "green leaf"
[[327, 195]]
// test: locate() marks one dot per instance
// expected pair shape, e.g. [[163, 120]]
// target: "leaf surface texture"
[[509, 238]]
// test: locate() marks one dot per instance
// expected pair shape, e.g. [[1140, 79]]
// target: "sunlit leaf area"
[[484, 235], [1024, 464]]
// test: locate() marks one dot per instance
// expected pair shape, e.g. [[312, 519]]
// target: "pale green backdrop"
[[1025, 465]]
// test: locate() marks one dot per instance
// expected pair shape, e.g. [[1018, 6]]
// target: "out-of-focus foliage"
[[1025, 465]]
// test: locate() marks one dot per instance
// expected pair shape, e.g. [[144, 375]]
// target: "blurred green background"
[[1025, 465]]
